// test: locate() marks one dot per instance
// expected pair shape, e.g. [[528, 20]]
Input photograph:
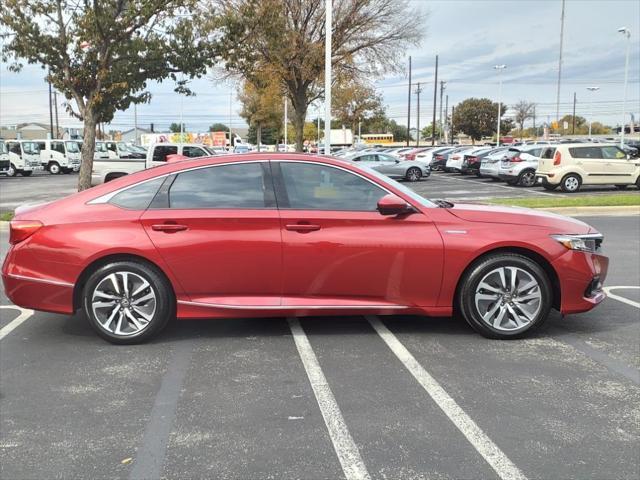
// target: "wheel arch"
[[525, 252], [114, 257]]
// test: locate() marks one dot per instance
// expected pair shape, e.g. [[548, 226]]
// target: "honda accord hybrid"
[[267, 235]]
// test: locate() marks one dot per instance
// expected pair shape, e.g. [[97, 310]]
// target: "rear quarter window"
[[548, 153], [137, 197], [586, 152]]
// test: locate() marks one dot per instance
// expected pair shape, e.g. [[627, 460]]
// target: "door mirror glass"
[[393, 205]]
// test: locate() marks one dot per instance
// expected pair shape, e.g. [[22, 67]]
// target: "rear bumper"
[[543, 179], [581, 279]]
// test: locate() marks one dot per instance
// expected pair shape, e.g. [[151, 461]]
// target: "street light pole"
[[286, 121], [592, 90], [327, 76], [418, 92], [626, 32], [499, 68], [443, 85]]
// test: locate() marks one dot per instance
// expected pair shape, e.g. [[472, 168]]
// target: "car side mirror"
[[391, 204]]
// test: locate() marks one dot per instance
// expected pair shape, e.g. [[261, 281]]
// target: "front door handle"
[[168, 227], [302, 227]]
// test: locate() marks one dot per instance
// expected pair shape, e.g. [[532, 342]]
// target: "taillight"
[[410, 157], [20, 230], [515, 160], [557, 158]]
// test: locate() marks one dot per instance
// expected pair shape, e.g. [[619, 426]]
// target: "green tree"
[[477, 118], [175, 128], [262, 104], [288, 37], [218, 127], [353, 101], [102, 54]]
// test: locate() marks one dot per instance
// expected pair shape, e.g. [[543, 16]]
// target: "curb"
[[620, 211]]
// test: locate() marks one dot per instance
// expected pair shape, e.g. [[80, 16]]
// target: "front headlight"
[[586, 243]]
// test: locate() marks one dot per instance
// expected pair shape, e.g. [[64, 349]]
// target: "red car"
[[291, 234]]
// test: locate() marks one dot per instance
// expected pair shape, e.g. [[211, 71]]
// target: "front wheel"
[[128, 302], [505, 295], [12, 171], [54, 168], [413, 174]]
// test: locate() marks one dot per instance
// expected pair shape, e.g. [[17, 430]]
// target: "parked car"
[[569, 166], [439, 159], [519, 165], [411, 154], [393, 167], [396, 152], [490, 166], [24, 158], [472, 161], [456, 157], [5, 163], [427, 155], [105, 170], [59, 156], [266, 235]]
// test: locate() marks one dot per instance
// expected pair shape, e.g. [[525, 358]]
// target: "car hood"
[[519, 216]]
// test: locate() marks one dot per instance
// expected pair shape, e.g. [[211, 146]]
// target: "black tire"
[[165, 304], [413, 174], [527, 178], [13, 171], [26, 173], [54, 168], [466, 300], [571, 183], [622, 187], [548, 186], [638, 182]]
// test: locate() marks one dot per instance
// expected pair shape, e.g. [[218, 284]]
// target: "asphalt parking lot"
[[384, 398]]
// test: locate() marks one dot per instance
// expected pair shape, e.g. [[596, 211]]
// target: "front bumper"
[[581, 278]]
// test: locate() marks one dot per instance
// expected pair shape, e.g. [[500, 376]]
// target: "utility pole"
[[592, 90], [409, 106], [453, 111], [627, 33], [135, 122], [328, 21], [573, 123], [442, 87], [435, 100], [446, 119], [50, 112], [55, 104], [418, 91], [535, 130], [230, 132], [560, 63], [499, 68]]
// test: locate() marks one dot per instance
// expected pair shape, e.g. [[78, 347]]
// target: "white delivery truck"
[[59, 156], [24, 157], [4, 158]]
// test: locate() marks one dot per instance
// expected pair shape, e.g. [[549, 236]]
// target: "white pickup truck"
[[105, 170]]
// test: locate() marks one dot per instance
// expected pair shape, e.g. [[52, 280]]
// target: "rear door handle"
[[302, 227], [168, 227]]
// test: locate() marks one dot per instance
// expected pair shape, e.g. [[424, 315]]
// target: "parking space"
[[394, 397]]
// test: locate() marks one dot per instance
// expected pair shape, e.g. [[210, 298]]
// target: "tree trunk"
[[299, 116], [88, 149]]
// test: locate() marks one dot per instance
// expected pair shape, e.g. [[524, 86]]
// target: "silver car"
[[490, 166], [393, 167]]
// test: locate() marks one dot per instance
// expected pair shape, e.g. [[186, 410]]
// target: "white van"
[[571, 165], [59, 156], [24, 157]]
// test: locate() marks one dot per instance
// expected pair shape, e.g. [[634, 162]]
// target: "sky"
[[470, 38]]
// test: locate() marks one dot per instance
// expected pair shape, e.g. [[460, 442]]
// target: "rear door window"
[[160, 152]]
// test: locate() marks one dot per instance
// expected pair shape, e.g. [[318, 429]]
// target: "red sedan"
[[291, 234]]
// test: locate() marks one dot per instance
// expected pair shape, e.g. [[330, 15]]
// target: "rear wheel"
[[571, 183], [527, 178], [128, 302], [413, 174], [505, 296]]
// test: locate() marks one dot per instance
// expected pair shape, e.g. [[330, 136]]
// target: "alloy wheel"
[[123, 303], [508, 298], [413, 174], [528, 179], [571, 184]]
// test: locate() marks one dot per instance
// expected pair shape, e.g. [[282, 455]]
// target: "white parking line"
[[12, 325], [620, 298], [346, 449], [480, 441], [525, 190]]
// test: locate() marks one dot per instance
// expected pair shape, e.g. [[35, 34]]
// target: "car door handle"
[[302, 227], [168, 227]]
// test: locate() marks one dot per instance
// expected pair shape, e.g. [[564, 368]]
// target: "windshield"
[[72, 147], [101, 147], [406, 190]]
